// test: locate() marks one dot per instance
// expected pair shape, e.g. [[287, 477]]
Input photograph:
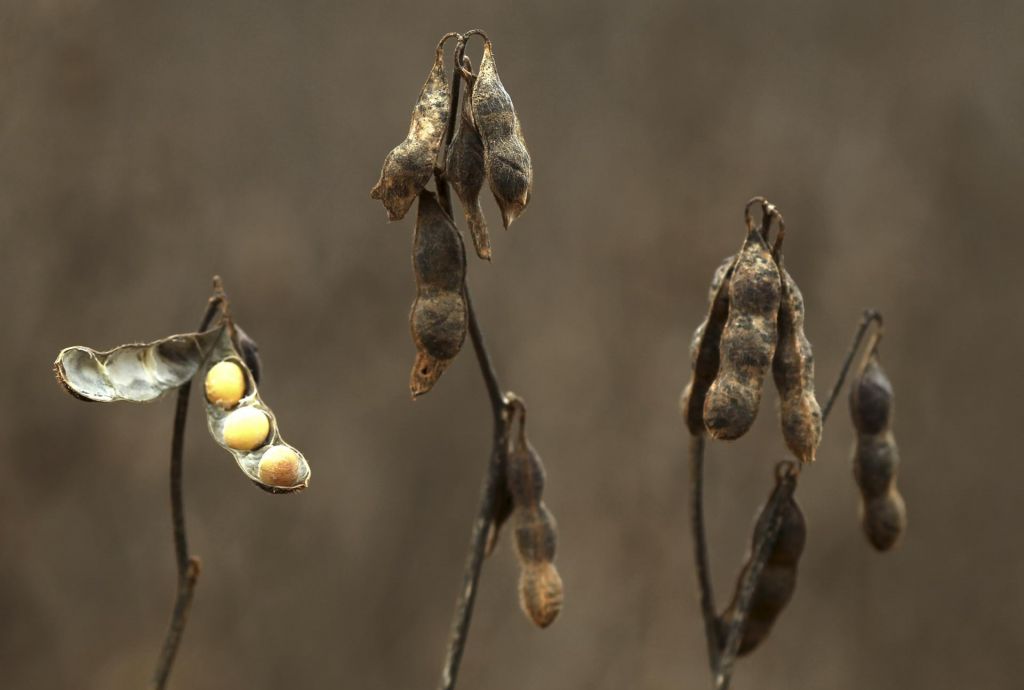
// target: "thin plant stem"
[[188, 566], [499, 406], [700, 549], [870, 316]]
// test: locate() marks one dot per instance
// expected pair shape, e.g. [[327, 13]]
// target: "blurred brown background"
[[145, 147]]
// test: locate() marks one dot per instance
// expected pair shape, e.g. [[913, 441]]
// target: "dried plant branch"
[[188, 566], [724, 636], [485, 512]]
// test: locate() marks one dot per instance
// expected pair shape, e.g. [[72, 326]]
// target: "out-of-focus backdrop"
[[145, 147]]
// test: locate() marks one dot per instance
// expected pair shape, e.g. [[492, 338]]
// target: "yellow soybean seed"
[[279, 466], [225, 384], [246, 428]]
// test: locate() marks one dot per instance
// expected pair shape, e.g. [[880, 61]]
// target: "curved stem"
[[700, 549], [870, 316], [188, 566]]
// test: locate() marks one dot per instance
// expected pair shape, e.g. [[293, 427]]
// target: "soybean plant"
[[228, 363], [755, 321], [465, 143]]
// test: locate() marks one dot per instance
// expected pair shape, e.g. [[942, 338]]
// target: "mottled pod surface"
[[876, 459], [793, 370], [704, 357], [507, 162], [138, 372], [464, 169], [541, 593], [777, 583], [408, 167], [747, 343], [439, 318], [247, 427]]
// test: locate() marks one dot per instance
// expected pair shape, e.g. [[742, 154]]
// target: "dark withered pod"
[[507, 164], [748, 341], [464, 168], [704, 357], [876, 459], [241, 423], [502, 511], [439, 318], [408, 167], [793, 371], [137, 372], [777, 582], [250, 353], [540, 587]]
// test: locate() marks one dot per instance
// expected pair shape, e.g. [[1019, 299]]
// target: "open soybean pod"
[[408, 167], [137, 372], [777, 581], [876, 459], [704, 357], [748, 340], [464, 168], [793, 370], [439, 316], [241, 423], [506, 160]]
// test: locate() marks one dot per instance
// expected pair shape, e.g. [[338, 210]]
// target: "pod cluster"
[[242, 424], [777, 582], [439, 318], [540, 586], [754, 324], [477, 139], [876, 458]]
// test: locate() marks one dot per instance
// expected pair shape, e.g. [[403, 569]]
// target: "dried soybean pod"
[[137, 372], [408, 167], [438, 319], [748, 341], [704, 357], [793, 370], [777, 581], [506, 159], [541, 593], [464, 169], [876, 457], [250, 353], [540, 587]]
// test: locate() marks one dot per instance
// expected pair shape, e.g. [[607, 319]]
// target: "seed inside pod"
[[246, 428], [225, 384], [280, 466]]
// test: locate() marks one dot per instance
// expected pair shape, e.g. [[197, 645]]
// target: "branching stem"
[[499, 407], [188, 566]]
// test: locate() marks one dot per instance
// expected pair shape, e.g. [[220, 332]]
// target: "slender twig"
[[188, 566], [766, 533], [870, 316], [499, 406], [700, 548]]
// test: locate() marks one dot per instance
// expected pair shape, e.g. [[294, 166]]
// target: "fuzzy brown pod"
[[464, 169], [507, 162], [704, 357], [541, 593], [439, 318], [793, 370], [777, 582], [408, 167], [748, 341], [876, 459], [137, 372], [242, 424]]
